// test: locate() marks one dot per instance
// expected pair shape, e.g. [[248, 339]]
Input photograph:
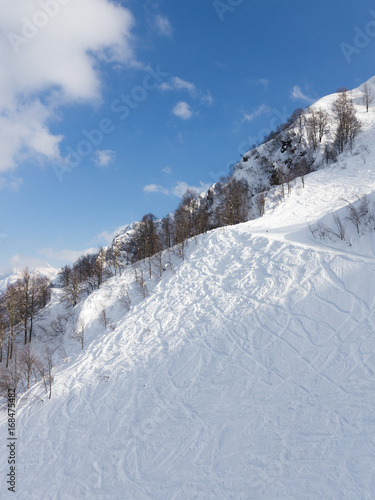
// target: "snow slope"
[[247, 373], [257, 165]]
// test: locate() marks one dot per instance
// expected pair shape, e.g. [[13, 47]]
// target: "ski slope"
[[247, 373]]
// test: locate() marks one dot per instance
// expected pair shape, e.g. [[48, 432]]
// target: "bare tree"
[[73, 291], [348, 125], [103, 317], [358, 213], [313, 129], [323, 122], [23, 300], [260, 201], [167, 232], [79, 333], [44, 367], [9, 305], [158, 260], [39, 295], [114, 260], [233, 202], [298, 117], [100, 266], [368, 96], [340, 233], [140, 281], [10, 377], [48, 357], [124, 299], [27, 362]]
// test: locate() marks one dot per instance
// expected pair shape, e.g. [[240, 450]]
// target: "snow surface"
[[248, 372]]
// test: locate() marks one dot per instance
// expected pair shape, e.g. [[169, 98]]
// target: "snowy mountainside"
[[258, 165], [15, 274], [291, 151], [248, 372]]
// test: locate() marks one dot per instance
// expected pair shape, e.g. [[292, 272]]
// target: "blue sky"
[[226, 72]]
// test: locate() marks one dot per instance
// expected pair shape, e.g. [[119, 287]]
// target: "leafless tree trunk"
[[140, 282], [260, 201], [125, 299], [27, 361], [368, 96], [49, 370], [10, 377], [323, 122], [103, 317], [348, 125], [79, 333]]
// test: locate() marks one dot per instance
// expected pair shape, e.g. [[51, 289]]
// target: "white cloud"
[[178, 190], [183, 110], [155, 188], [297, 94], [167, 170], [67, 256], [163, 26], [103, 158], [177, 83], [52, 59]]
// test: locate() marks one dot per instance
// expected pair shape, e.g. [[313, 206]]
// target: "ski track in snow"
[[247, 374]]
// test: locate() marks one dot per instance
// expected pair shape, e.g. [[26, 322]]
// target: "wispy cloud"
[[163, 26], [176, 83], [297, 94], [67, 256], [103, 158], [106, 237], [178, 190], [167, 170], [181, 187], [182, 110], [265, 82], [249, 117], [207, 99], [261, 110], [155, 188]]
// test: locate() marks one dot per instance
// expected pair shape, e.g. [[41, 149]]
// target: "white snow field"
[[247, 373]]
